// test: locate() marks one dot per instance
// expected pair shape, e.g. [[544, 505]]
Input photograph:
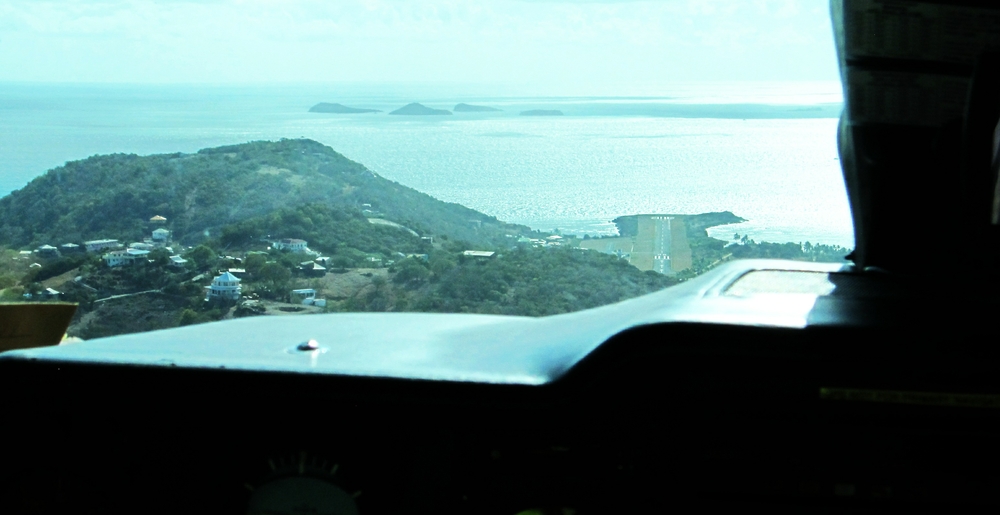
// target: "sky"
[[550, 44]]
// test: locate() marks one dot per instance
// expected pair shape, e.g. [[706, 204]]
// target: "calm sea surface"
[[767, 153]]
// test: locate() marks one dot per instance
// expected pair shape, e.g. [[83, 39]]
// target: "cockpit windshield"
[[174, 163]]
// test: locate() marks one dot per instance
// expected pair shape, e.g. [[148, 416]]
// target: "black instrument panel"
[[662, 416]]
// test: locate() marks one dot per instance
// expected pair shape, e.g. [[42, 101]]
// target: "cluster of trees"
[[341, 232], [519, 281], [57, 266], [708, 253], [750, 249]]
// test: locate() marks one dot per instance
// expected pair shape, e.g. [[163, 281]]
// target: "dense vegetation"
[[113, 196], [337, 231], [229, 204], [521, 281], [707, 253]]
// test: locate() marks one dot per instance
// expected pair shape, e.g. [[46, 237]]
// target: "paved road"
[[127, 295]]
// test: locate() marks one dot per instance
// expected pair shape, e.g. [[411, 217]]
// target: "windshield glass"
[[173, 163]]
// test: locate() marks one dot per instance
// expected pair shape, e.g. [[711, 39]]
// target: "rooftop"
[[228, 277], [478, 253]]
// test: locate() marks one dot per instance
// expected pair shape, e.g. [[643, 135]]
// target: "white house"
[[96, 245], [178, 261], [161, 235], [307, 296], [292, 244], [226, 286], [304, 294], [116, 258], [124, 257], [48, 251]]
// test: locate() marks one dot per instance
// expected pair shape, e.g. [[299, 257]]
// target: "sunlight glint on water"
[[574, 173]]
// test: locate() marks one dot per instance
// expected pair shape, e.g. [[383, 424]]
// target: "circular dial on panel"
[[302, 484]]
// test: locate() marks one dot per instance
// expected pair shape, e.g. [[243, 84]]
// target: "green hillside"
[[113, 196], [230, 204]]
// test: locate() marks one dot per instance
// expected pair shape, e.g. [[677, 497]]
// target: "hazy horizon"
[[577, 48]]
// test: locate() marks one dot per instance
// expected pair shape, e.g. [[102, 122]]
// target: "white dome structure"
[[226, 286]]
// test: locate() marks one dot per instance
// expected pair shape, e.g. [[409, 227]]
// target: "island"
[[326, 107], [469, 108], [292, 227], [416, 109], [542, 112]]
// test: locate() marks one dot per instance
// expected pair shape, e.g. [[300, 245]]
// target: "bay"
[[767, 153]]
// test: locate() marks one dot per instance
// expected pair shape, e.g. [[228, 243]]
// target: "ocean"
[[767, 152]]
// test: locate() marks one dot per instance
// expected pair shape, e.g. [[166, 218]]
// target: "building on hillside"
[[238, 272], [225, 286], [116, 258], [141, 246], [483, 254], [302, 295], [161, 235], [307, 296], [69, 248], [49, 293], [292, 244], [124, 257], [48, 251], [177, 261], [97, 245], [312, 269], [157, 219]]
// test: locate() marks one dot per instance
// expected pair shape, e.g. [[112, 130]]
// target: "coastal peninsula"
[[302, 229], [416, 109], [297, 226], [327, 107]]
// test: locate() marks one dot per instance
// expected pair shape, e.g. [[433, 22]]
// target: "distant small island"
[[542, 112], [469, 108], [416, 109], [326, 107]]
